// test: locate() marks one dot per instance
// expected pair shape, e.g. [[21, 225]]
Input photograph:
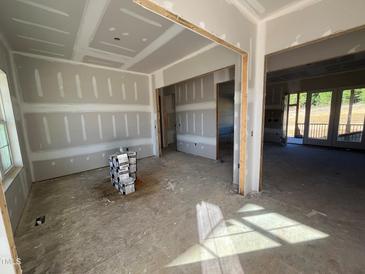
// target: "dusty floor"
[[185, 218]]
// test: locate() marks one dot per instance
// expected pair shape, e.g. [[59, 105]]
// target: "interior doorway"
[[167, 117], [225, 121]]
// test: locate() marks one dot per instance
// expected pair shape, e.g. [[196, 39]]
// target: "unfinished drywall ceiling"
[[101, 62], [218, 17], [351, 62], [264, 8], [112, 33], [134, 26], [316, 20], [46, 27], [346, 44], [173, 50]]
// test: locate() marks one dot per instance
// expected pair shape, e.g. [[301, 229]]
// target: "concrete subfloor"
[[186, 218]]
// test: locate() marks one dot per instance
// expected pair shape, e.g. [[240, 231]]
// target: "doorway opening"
[[296, 104], [167, 119], [225, 121]]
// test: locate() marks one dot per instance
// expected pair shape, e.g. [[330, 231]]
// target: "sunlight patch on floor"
[[220, 241], [284, 228], [250, 208]]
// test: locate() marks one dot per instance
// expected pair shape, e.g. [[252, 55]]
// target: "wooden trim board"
[[148, 4], [263, 109], [158, 122], [9, 231], [243, 125], [217, 120]]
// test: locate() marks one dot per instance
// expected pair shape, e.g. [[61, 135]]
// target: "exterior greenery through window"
[[6, 161]]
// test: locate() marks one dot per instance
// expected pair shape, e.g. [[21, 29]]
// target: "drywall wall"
[[76, 115], [196, 116], [16, 196], [212, 58], [196, 107], [318, 19], [17, 185], [348, 43]]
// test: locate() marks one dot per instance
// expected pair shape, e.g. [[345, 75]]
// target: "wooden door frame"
[[158, 121], [147, 4]]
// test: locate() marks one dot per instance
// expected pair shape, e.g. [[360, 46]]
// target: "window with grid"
[[6, 160]]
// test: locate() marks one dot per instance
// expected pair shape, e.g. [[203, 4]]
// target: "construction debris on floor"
[[123, 171]]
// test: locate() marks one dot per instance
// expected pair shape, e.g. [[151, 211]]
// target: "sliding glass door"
[[350, 119], [320, 108], [295, 109], [326, 118]]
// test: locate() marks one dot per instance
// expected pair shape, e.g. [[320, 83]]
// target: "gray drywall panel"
[[16, 197], [64, 166], [199, 149], [55, 84], [40, 83], [182, 45], [57, 136], [193, 123], [100, 61], [210, 60], [123, 22], [185, 122], [196, 90], [196, 117], [44, 14], [75, 126]]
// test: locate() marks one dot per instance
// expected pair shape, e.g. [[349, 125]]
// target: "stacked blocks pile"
[[123, 171]]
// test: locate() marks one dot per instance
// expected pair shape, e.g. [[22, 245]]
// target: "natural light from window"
[[221, 241], [6, 161]]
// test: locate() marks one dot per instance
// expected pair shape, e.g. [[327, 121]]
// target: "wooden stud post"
[[158, 122], [243, 126]]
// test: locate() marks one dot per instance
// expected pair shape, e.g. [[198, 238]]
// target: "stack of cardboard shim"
[[132, 158], [123, 170]]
